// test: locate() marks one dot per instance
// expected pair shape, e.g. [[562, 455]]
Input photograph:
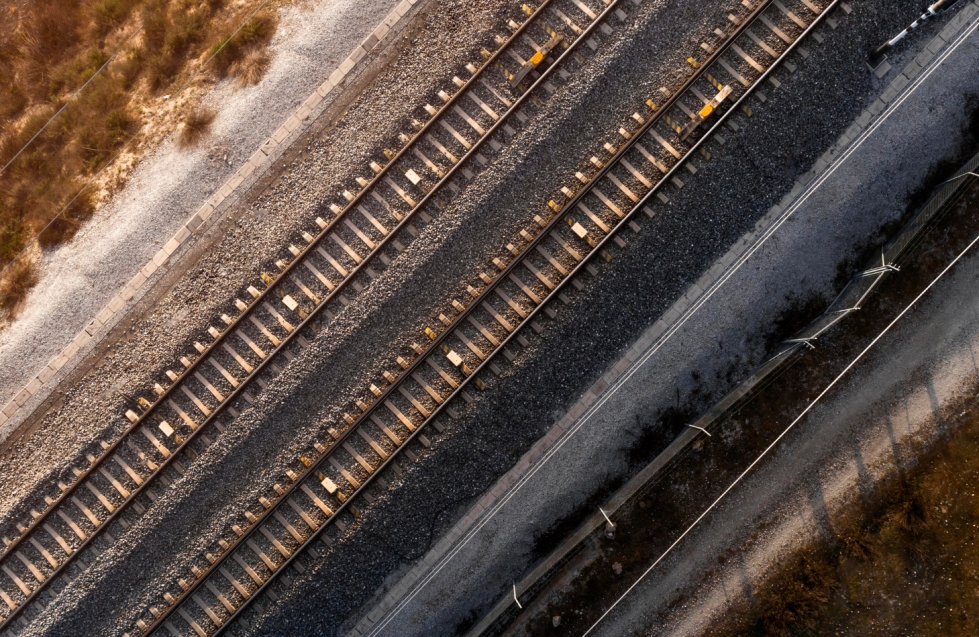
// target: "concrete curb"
[[650, 340], [294, 126]]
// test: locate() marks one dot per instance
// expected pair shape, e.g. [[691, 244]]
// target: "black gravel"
[[747, 175], [743, 180]]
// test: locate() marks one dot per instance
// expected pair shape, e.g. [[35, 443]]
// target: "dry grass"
[[50, 48], [251, 68], [196, 125], [905, 561], [15, 284]]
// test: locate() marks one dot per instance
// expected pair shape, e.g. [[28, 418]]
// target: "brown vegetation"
[[905, 561], [51, 48], [15, 283], [196, 125]]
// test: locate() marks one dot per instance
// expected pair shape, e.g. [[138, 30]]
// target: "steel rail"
[[450, 329], [350, 430], [644, 200], [143, 419]]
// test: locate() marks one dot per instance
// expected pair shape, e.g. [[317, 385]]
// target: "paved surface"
[[846, 210]]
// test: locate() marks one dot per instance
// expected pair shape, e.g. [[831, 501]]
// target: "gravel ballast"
[[702, 362], [678, 244], [262, 443]]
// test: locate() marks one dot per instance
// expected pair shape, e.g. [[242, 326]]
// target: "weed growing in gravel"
[[196, 125], [51, 48]]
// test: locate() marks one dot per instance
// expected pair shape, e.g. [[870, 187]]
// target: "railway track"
[[333, 263], [469, 346]]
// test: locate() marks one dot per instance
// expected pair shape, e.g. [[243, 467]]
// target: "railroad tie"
[[496, 93], [458, 137], [428, 388], [272, 338], [482, 330], [221, 370], [305, 290], [207, 610], [44, 552], [400, 416], [359, 458], [183, 414], [276, 543], [301, 513], [414, 402], [135, 477], [234, 582], [319, 275], [194, 399], [343, 471], [428, 162], [774, 29], [665, 144], [594, 218], [71, 524], [190, 621], [101, 498], [16, 580], [550, 259], [333, 262], [286, 325], [360, 235], [497, 316], [209, 387], [57, 538], [483, 105], [469, 120], [373, 444], [327, 511], [635, 173], [660, 166], [761, 43], [387, 431], [123, 491], [35, 571], [164, 451], [509, 301], [261, 555]]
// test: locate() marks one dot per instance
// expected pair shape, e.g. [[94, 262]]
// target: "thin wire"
[[783, 434], [130, 140], [68, 101]]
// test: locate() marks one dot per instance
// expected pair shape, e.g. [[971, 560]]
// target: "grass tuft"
[[15, 284], [251, 68], [195, 126]]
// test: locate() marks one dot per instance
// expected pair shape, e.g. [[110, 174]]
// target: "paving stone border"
[[649, 342], [260, 162]]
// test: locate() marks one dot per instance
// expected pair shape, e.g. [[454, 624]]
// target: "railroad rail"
[[467, 347], [335, 261]]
